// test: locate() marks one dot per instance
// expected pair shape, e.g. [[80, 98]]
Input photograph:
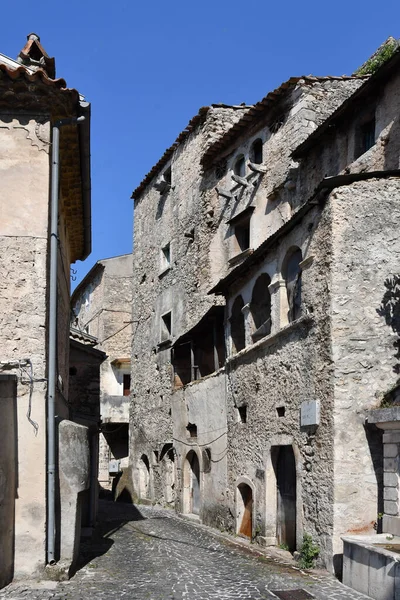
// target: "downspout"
[[52, 343]]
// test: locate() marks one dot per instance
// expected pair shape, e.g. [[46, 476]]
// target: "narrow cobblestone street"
[[151, 554]]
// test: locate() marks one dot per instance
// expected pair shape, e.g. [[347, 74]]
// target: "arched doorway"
[[286, 497], [144, 476], [244, 507], [191, 501]]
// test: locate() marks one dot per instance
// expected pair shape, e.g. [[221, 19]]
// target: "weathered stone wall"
[[289, 367], [176, 218], [334, 154], [24, 250], [365, 252], [203, 403], [102, 306], [273, 195]]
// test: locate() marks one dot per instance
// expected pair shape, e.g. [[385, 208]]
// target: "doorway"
[[286, 495], [244, 518]]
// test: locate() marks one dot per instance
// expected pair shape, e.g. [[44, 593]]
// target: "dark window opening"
[[201, 351], [155, 452], [192, 430], [167, 176], [237, 325], [260, 307], [257, 151], [280, 411], [240, 167], [365, 137], [242, 410], [242, 234], [292, 275], [221, 169], [126, 384], [166, 327], [73, 371], [166, 256]]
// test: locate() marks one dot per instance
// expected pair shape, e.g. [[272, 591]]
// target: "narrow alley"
[[150, 553]]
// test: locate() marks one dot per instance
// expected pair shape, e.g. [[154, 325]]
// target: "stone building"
[[263, 238], [33, 105], [101, 310]]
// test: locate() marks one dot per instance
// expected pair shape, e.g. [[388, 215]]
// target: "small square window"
[[166, 326], [166, 257]]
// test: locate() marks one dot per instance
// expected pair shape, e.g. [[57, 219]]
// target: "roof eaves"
[[371, 82], [88, 277], [262, 107], [193, 123]]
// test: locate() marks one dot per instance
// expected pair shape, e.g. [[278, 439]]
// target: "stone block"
[[390, 493], [390, 508], [391, 438], [391, 525], [390, 465], [390, 450], [390, 480]]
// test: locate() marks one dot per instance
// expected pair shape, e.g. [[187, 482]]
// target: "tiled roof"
[[190, 127], [373, 82], [262, 108]]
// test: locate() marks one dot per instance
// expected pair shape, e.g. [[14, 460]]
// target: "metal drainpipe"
[[52, 345]]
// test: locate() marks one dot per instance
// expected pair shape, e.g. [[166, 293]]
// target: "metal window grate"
[[292, 594]]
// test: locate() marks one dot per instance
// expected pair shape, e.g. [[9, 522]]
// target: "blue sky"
[[148, 67]]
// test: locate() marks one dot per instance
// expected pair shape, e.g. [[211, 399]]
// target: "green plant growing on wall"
[[309, 551], [378, 59]]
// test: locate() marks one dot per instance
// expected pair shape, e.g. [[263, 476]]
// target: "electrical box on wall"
[[114, 467], [309, 413]]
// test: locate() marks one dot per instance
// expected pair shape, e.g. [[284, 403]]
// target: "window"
[[260, 307], [241, 230], [242, 413], [166, 326], [237, 325], [126, 384], [192, 430], [201, 351], [240, 166], [167, 176], [292, 276], [166, 257], [364, 137], [256, 153]]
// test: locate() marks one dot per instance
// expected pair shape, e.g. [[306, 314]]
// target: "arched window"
[[256, 153], [240, 166], [260, 307], [292, 276], [237, 325]]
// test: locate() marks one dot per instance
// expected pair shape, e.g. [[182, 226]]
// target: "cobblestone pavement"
[[155, 555]]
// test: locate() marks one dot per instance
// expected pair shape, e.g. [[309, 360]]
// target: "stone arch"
[[237, 325], [245, 503], [283, 472], [191, 483], [291, 273], [260, 307], [144, 476], [167, 463]]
